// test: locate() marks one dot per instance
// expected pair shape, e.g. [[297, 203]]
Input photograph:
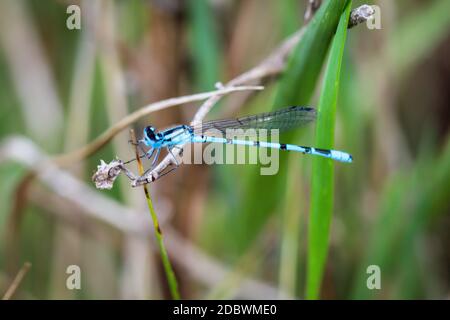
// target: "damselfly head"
[[150, 134]]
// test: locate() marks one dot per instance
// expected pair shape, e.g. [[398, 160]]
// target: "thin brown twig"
[[17, 280], [311, 7], [15, 217]]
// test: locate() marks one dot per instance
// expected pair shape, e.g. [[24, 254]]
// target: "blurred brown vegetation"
[[61, 88]]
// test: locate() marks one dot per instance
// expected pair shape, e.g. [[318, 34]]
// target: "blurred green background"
[[229, 234]]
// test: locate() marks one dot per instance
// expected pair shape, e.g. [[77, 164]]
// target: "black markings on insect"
[[322, 151]]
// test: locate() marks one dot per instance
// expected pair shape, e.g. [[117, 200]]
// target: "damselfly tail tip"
[[347, 158], [350, 158], [340, 156]]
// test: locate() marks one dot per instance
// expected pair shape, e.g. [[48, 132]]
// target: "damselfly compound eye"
[[149, 132]]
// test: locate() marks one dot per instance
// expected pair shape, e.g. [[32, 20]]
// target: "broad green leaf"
[[263, 193], [323, 173]]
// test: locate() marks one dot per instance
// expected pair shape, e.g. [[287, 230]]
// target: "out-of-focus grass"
[[204, 44], [291, 226], [133, 20], [322, 195], [100, 123], [381, 218], [10, 114], [417, 34], [408, 205], [289, 11], [11, 175]]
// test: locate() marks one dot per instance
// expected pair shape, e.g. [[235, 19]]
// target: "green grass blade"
[[322, 174], [204, 44], [170, 274], [295, 88], [300, 78]]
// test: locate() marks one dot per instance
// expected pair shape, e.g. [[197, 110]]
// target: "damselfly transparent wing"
[[283, 120]]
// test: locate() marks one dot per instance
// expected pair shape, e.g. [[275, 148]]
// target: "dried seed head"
[[361, 15], [107, 173]]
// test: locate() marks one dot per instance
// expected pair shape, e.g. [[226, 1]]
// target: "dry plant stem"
[[17, 280], [171, 279], [312, 7], [272, 65], [15, 218], [31, 73], [105, 137]]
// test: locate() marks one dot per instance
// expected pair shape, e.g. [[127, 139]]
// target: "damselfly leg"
[[169, 150], [158, 150]]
